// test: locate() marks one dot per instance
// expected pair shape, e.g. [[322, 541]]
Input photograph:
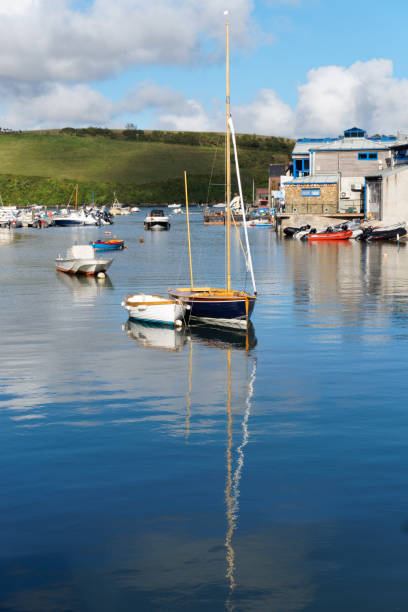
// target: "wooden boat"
[[156, 309], [107, 245], [214, 305], [156, 220], [80, 259], [339, 235]]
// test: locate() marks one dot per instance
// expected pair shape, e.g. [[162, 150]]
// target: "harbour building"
[[329, 174]]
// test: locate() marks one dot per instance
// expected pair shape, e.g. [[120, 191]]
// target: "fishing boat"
[[329, 235], [156, 309], [80, 259], [156, 220], [107, 245], [222, 306]]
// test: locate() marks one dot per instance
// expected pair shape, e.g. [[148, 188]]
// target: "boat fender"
[[101, 275], [178, 323]]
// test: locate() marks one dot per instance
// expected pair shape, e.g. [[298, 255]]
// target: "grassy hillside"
[[140, 167]]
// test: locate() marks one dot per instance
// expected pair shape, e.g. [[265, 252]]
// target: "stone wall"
[[327, 202]]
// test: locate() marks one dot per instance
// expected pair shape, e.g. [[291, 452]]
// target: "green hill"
[[139, 166]]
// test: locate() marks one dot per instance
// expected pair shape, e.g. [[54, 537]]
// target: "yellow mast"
[[228, 163], [188, 231]]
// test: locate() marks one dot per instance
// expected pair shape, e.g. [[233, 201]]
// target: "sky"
[[298, 68]]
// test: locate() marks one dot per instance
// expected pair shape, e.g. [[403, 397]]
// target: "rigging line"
[[239, 238], [212, 168]]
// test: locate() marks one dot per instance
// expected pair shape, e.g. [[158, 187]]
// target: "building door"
[[374, 199]]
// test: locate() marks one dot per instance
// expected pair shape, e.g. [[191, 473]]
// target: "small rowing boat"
[[107, 245], [156, 309]]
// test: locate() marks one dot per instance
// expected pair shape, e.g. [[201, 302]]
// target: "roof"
[[305, 145], [316, 178], [350, 144]]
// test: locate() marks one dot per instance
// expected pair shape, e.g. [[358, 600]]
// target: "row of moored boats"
[[345, 231]]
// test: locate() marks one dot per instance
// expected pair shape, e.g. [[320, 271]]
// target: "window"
[[369, 156], [310, 193], [301, 168]]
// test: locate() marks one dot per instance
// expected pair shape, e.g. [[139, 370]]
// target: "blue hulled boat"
[[107, 245]]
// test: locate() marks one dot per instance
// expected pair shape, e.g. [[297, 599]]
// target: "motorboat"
[[156, 309], [390, 232], [107, 245], [166, 338], [156, 220], [135, 209], [80, 259], [290, 232]]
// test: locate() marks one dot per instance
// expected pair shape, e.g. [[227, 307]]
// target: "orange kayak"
[[343, 235]]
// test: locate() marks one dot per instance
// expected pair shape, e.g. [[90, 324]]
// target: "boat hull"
[[157, 225], [156, 309], [67, 222], [89, 267], [108, 246], [219, 309], [343, 235]]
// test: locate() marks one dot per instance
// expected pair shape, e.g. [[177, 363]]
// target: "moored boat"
[[107, 245], [156, 220], [156, 309], [329, 235], [80, 259], [390, 232], [214, 305]]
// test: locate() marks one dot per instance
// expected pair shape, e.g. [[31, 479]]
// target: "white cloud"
[[267, 114], [59, 106], [49, 40], [366, 94], [332, 99]]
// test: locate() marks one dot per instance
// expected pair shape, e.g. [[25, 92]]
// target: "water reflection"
[[156, 336], [171, 339], [345, 284], [233, 475], [225, 338], [84, 287], [6, 236]]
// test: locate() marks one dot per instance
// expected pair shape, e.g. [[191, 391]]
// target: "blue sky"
[[297, 68]]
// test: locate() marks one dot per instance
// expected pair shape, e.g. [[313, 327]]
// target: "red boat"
[[341, 235]]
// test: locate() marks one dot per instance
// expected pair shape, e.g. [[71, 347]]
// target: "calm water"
[[147, 470]]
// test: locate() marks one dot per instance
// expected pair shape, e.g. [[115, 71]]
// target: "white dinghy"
[[156, 309], [80, 259]]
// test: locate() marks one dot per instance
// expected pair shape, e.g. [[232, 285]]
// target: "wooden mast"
[[228, 164], [188, 231]]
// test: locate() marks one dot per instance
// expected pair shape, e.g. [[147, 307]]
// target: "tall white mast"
[[251, 270]]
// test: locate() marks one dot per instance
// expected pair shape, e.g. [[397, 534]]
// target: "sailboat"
[[222, 306]]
